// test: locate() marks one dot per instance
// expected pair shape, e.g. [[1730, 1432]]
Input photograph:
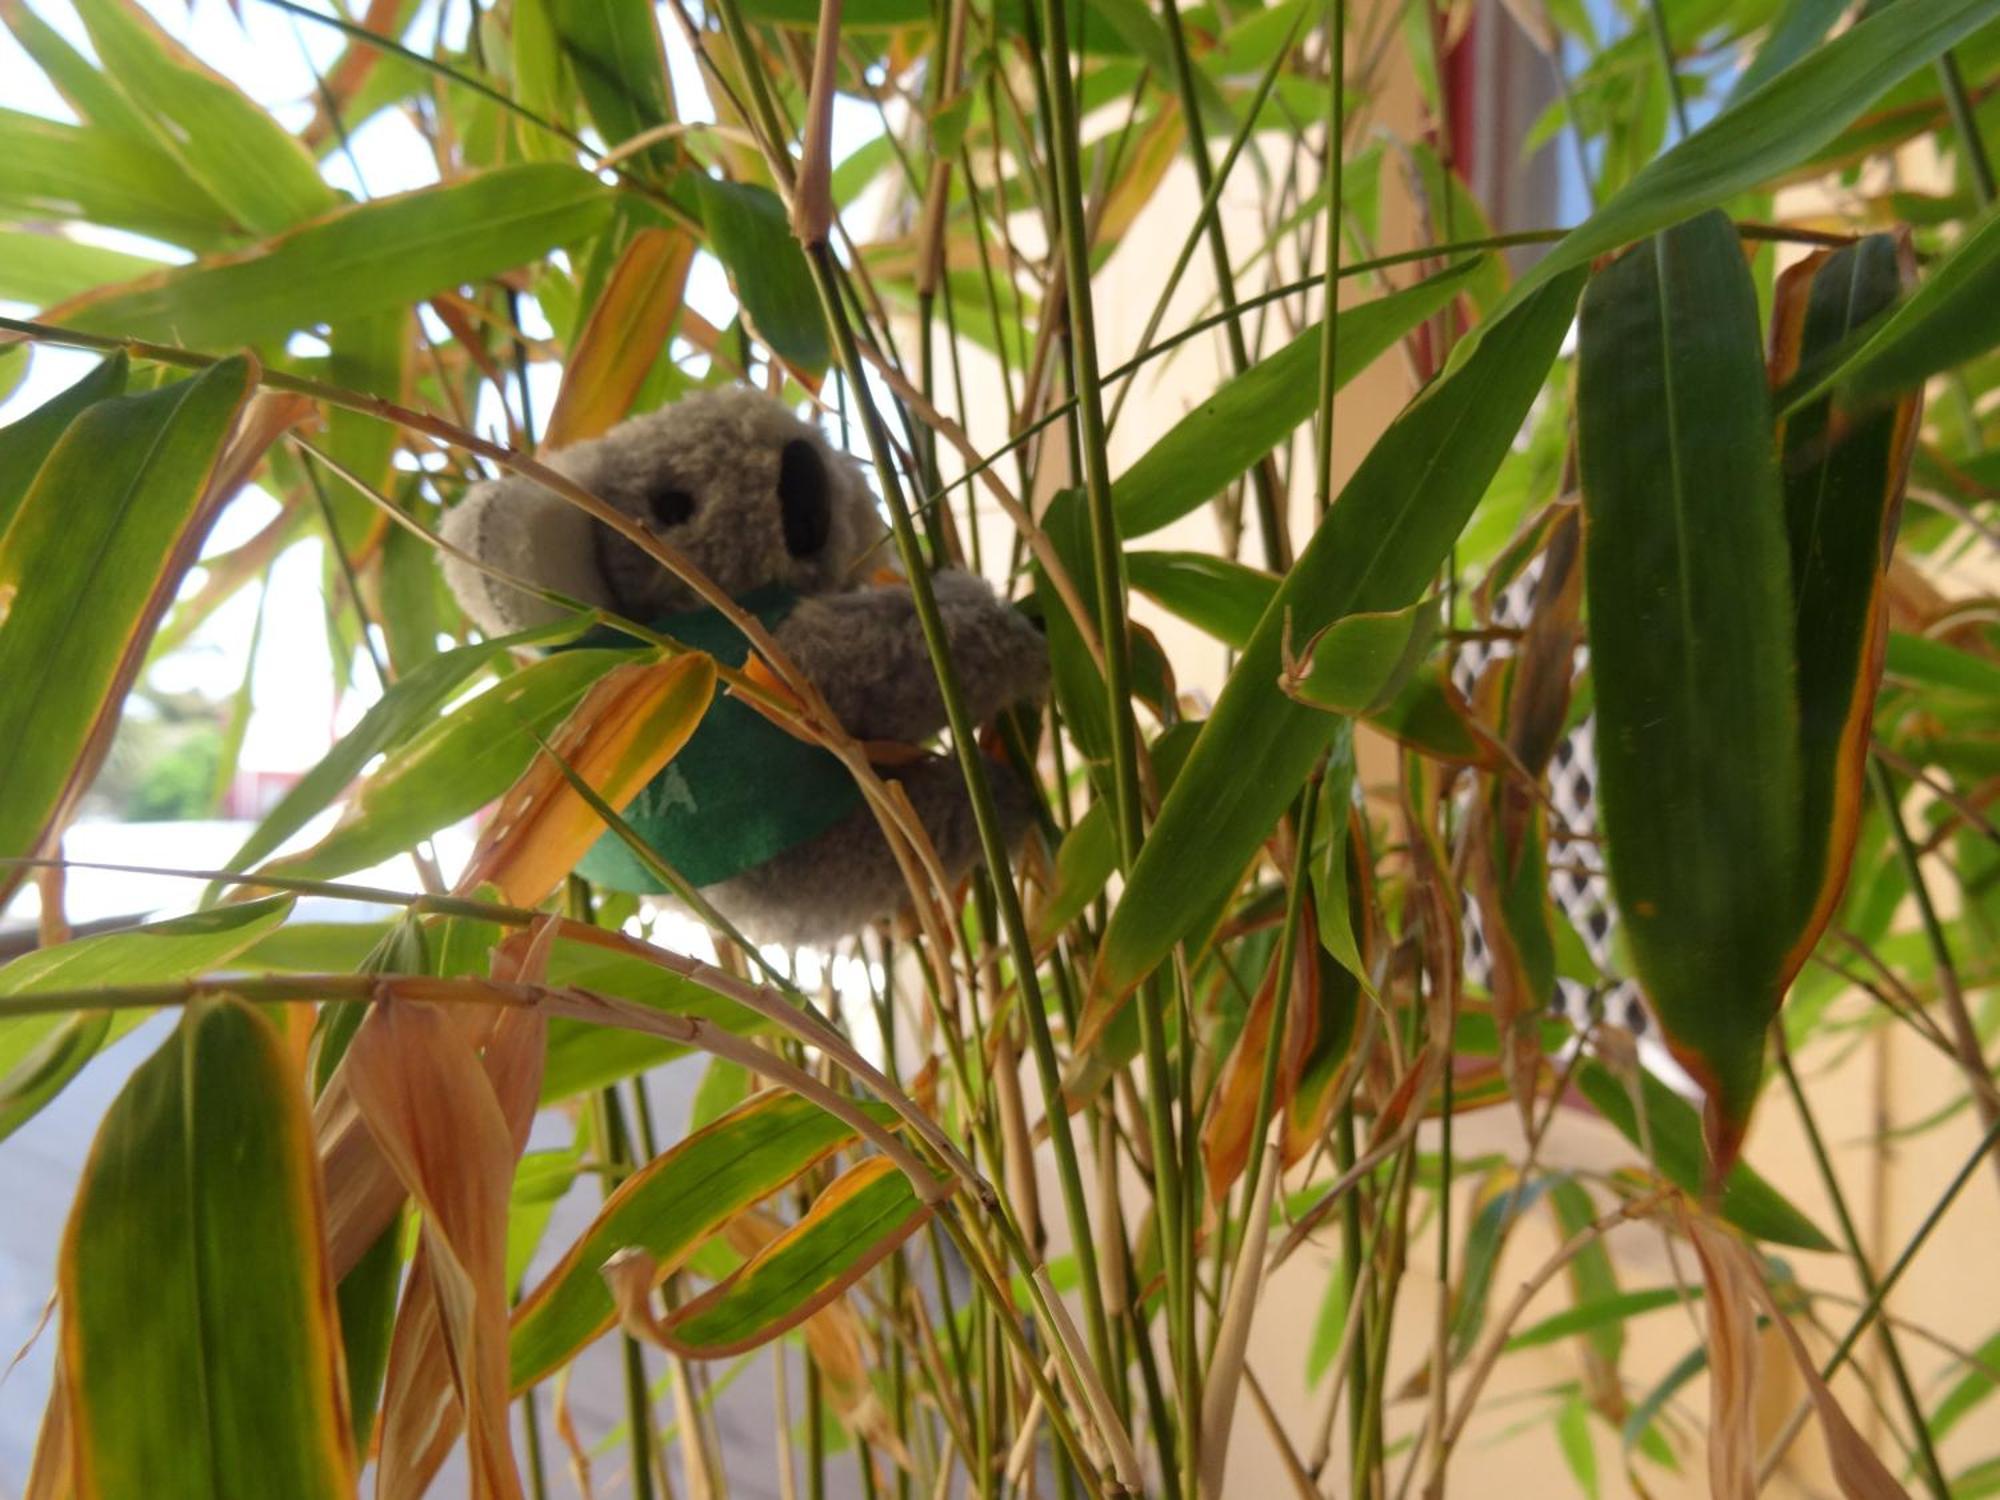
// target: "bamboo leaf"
[[117, 512], [1360, 664], [1254, 412], [628, 726], [1801, 26], [1952, 316], [1377, 550], [454, 767], [667, 1208], [866, 1213], [623, 338], [1215, 594], [1971, 1389], [613, 47], [1843, 473], [1697, 724], [205, 1366], [1769, 131], [243, 158], [52, 170], [365, 258], [26, 444], [1589, 1317], [448, 1098], [408, 705], [40, 1054], [750, 234], [1673, 1129], [42, 268]]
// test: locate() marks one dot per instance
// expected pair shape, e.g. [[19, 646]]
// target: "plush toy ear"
[[522, 531]]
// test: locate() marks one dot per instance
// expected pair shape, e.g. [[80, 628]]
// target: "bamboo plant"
[[1697, 493]]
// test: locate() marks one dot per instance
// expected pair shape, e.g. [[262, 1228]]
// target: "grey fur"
[[860, 646], [846, 878]]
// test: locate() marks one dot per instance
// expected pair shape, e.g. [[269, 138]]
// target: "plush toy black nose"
[[802, 496]]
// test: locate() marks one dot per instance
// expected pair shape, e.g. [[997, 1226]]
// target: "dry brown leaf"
[[1732, 1362], [628, 726], [1225, 1134], [449, 1125], [52, 1474], [1857, 1469]]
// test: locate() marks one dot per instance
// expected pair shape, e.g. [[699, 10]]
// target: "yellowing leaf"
[[867, 1212], [623, 733], [198, 1348], [450, 1125], [623, 337]]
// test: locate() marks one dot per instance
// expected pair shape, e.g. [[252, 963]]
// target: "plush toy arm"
[[864, 651]]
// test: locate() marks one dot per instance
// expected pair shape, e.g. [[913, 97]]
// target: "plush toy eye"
[[802, 496], [670, 507]]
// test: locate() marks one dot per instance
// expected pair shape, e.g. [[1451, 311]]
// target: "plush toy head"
[[752, 495]]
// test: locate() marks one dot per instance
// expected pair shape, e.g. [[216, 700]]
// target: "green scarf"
[[742, 791]]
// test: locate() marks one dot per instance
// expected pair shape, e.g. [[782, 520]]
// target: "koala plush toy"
[[772, 829]]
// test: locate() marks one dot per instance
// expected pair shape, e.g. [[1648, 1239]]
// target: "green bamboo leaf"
[[1214, 594], [51, 170], [613, 47], [1801, 26], [40, 1054], [206, 1366], [1592, 1277], [26, 444], [1951, 317], [1691, 649], [244, 159], [1378, 549], [667, 1208], [751, 235], [1974, 1387], [316, 947], [366, 258], [1573, 1437], [366, 1303], [865, 1214], [1088, 855], [409, 704], [90, 91], [1922, 662], [1770, 130], [1484, 1240], [1360, 664], [40, 269], [1431, 717], [1673, 1126], [116, 514], [1638, 1430], [453, 767], [1254, 412], [1843, 472], [1596, 1315], [582, 1057]]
